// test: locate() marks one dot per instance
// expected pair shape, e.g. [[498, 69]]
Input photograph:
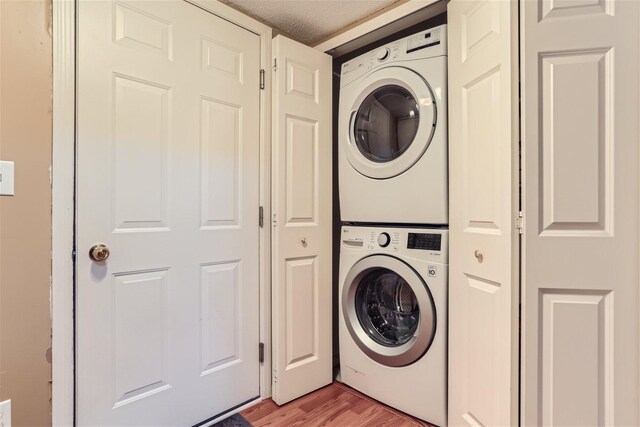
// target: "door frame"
[[63, 201]]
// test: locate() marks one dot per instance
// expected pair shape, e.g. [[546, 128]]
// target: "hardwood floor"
[[335, 405]]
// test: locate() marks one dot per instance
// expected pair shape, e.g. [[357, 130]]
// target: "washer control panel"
[[421, 242]]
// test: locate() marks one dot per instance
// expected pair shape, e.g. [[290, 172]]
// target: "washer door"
[[391, 123], [388, 310]]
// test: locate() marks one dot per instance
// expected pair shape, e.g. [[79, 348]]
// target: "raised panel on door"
[[481, 128], [485, 330], [302, 171], [140, 335], [549, 9], [140, 29], [302, 353], [221, 308], [168, 166], [483, 287], [576, 349], [220, 139], [141, 119], [301, 323], [222, 61], [576, 148], [581, 242]]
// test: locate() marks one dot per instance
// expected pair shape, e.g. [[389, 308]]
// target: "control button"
[[382, 54], [384, 240]]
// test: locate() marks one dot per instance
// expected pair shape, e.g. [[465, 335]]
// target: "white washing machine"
[[393, 317], [393, 133]]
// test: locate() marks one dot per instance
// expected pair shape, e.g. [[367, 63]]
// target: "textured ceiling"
[[309, 21]]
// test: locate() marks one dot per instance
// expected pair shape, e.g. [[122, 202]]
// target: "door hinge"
[[275, 64], [261, 352], [261, 216], [262, 79], [520, 222]]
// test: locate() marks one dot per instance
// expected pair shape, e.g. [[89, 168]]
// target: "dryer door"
[[391, 122], [388, 310]]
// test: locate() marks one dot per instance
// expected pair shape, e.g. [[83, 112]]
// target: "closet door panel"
[[580, 112], [483, 146]]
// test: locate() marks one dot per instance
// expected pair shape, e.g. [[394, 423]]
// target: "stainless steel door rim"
[[408, 350]]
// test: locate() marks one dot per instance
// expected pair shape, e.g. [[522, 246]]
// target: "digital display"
[[424, 241]]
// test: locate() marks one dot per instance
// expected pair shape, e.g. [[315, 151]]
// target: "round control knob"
[[382, 54], [384, 239]]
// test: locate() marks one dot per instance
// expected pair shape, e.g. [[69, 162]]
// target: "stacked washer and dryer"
[[393, 182]]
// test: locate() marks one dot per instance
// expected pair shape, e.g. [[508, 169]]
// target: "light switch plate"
[[5, 413], [6, 178]]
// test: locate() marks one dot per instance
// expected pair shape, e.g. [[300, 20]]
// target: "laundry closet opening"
[[390, 223], [338, 61]]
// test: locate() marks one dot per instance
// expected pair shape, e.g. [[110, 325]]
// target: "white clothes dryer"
[[393, 133], [393, 317]]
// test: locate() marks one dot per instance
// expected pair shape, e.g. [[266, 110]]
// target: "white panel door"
[[580, 74], [168, 179], [302, 227], [483, 149]]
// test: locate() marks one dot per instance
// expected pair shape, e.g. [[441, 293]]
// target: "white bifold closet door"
[[168, 163], [580, 115], [483, 148], [302, 220]]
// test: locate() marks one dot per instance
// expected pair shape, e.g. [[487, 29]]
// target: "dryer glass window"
[[386, 123], [386, 307]]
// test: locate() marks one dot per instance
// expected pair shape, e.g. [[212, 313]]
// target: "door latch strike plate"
[[261, 352], [261, 216], [262, 79]]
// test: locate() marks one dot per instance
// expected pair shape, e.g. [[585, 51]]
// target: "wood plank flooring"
[[335, 405]]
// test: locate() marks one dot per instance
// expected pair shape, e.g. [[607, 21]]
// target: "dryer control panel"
[[425, 44], [424, 40], [427, 243]]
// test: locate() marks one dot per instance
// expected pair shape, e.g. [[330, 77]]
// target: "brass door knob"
[[99, 252]]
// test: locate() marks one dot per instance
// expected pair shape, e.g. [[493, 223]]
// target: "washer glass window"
[[387, 307], [386, 123]]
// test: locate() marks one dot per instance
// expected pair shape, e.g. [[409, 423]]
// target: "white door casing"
[[483, 153], [168, 163], [302, 220], [580, 115]]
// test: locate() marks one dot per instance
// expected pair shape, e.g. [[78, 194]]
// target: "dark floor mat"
[[236, 420]]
